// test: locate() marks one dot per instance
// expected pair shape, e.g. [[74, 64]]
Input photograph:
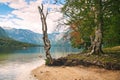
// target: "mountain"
[[28, 36], [7, 42], [63, 39], [3, 34], [24, 35]]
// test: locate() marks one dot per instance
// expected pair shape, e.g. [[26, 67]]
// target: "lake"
[[17, 64]]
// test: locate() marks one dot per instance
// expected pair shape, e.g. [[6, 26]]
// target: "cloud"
[[26, 16], [18, 4], [6, 1]]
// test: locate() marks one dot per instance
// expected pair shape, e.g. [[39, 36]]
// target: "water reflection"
[[29, 54], [6, 50], [29, 50], [17, 64]]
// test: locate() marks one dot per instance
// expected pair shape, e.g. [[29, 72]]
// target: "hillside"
[[28, 36], [23, 35], [7, 42], [10, 43], [3, 34]]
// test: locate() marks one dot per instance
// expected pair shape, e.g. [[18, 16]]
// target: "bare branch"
[[42, 7], [40, 10], [46, 41], [46, 14]]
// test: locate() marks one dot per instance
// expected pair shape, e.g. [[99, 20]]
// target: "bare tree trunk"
[[46, 41], [96, 44]]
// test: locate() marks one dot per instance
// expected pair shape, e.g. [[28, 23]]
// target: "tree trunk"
[[46, 41], [96, 44]]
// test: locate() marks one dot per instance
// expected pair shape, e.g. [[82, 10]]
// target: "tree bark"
[[46, 41], [96, 44]]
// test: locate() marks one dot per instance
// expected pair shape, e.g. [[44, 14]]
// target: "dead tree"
[[46, 41]]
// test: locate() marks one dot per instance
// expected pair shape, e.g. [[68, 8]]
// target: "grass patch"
[[112, 49]]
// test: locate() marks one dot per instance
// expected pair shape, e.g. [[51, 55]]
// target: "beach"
[[74, 73]]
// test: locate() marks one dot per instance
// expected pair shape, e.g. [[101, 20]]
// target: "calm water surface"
[[17, 64]]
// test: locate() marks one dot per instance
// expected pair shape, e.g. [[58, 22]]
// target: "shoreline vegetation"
[[6, 43], [82, 67], [109, 60]]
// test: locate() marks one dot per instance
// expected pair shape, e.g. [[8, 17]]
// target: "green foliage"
[[74, 44], [81, 13], [112, 26], [10, 43], [47, 61]]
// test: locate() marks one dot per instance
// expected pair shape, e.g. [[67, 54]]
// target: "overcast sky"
[[24, 14]]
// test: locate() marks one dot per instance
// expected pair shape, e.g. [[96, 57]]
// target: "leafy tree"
[[111, 23], [92, 17]]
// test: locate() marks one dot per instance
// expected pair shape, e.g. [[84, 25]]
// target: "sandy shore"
[[74, 73]]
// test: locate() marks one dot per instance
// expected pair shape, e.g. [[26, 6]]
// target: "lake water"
[[17, 64]]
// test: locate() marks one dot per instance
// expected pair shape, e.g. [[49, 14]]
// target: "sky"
[[24, 14]]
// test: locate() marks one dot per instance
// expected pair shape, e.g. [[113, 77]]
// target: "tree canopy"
[[84, 16]]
